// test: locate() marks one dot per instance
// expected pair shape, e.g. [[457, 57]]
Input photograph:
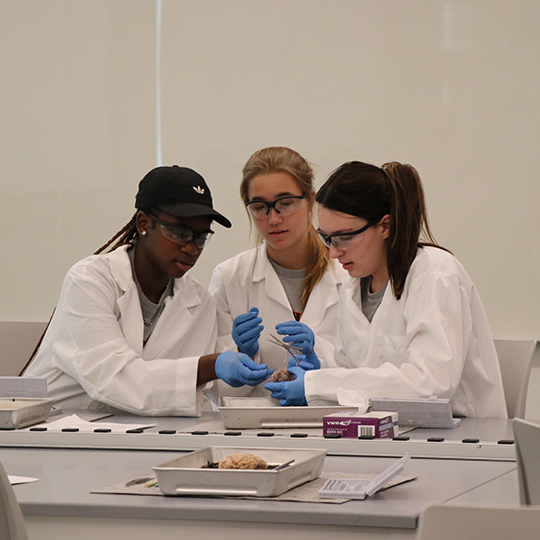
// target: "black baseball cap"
[[178, 191]]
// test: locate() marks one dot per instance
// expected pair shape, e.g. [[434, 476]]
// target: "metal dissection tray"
[[187, 475], [266, 412], [17, 413], [419, 412]]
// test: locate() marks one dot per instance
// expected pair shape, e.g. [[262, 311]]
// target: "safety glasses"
[[284, 206], [181, 235], [343, 240]]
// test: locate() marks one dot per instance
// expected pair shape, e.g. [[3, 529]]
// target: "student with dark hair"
[[287, 285], [410, 323], [131, 330]]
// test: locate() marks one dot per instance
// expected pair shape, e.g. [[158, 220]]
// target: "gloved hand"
[[237, 369], [300, 335], [246, 331], [307, 363], [290, 393]]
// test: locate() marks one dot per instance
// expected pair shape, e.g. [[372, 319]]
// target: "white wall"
[[450, 87]]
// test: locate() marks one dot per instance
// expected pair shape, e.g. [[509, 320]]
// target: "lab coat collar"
[[352, 291], [129, 303], [264, 271], [261, 264], [322, 298], [121, 267], [175, 315]]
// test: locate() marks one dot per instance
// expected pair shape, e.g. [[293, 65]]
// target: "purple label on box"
[[369, 425]]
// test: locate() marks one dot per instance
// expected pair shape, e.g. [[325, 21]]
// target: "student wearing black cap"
[[131, 331]]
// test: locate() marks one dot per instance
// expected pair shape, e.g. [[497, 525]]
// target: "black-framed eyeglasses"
[[284, 206], [182, 235], [343, 240]]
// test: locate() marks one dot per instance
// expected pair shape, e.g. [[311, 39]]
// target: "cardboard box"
[[379, 425]]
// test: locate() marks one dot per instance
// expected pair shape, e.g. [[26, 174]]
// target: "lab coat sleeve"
[[325, 351], [92, 348], [427, 359]]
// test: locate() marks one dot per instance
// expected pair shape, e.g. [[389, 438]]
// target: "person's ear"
[[143, 222], [310, 199], [385, 223], [310, 205]]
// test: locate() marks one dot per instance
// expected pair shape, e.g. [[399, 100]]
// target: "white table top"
[[472, 439], [70, 465], [66, 478]]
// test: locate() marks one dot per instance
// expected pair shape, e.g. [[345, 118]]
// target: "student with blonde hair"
[[287, 285]]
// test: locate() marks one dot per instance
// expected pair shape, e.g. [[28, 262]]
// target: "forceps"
[[289, 348]]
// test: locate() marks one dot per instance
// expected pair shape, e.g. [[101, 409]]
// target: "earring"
[[143, 233]]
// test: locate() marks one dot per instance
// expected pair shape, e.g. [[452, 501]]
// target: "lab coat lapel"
[[131, 318], [322, 298], [357, 329], [387, 300], [175, 320], [353, 309], [129, 303]]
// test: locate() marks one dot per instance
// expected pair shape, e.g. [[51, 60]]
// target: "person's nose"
[[335, 252], [274, 216], [190, 249]]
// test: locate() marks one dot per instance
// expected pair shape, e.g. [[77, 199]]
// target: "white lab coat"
[[93, 350], [249, 280], [435, 340]]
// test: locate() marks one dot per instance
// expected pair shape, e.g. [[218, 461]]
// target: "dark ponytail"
[[370, 192], [409, 227]]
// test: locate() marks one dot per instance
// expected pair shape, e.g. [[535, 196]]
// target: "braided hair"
[[127, 235]]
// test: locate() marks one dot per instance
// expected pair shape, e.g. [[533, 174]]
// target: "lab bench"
[[61, 501], [474, 461], [472, 439]]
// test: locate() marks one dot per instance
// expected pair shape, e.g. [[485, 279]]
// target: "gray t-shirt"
[[293, 283], [368, 301], [151, 312]]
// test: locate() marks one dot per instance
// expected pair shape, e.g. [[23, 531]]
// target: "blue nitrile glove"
[[237, 369], [290, 393], [300, 335], [305, 362], [246, 331]]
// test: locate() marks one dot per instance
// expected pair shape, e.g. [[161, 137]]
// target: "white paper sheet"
[[14, 480]]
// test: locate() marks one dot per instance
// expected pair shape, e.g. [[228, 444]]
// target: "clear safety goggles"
[[181, 235], [284, 206], [343, 240]]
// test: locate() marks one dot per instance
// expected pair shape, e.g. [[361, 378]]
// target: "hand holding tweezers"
[[289, 348]]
